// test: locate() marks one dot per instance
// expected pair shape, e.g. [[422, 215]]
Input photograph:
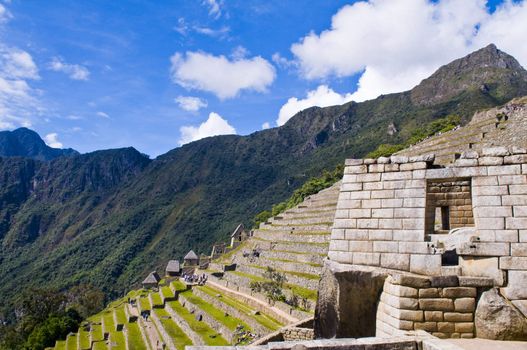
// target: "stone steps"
[[310, 220], [297, 257], [324, 227], [282, 264], [180, 322], [304, 247], [292, 236]]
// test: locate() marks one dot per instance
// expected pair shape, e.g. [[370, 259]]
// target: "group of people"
[[193, 278]]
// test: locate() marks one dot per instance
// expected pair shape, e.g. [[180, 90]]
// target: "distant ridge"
[[24, 142]]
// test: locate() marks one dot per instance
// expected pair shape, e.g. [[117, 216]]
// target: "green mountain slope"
[[109, 217], [23, 142]]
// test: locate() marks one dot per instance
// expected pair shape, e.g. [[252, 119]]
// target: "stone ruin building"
[[418, 246]]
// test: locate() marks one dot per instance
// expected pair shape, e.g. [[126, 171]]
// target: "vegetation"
[[47, 315], [440, 125], [271, 286], [312, 186]]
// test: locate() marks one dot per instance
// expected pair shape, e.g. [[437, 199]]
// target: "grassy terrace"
[[96, 330], [120, 315], [108, 320], [167, 292], [229, 321], [135, 340], [300, 291], [179, 338], [60, 345], [209, 335], [156, 300], [117, 338], [144, 303], [71, 341], [84, 338], [262, 319], [179, 286]]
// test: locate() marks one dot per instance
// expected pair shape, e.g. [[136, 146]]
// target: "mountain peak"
[[484, 69], [24, 142]]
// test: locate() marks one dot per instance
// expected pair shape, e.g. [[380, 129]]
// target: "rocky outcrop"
[[496, 318], [347, 301]]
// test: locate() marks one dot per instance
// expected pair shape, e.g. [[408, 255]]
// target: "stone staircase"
[[503, 126], [293, 243]]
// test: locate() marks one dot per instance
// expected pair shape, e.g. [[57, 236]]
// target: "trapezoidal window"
[[448, 206]]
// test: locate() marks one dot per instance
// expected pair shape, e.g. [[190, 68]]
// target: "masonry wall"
[[381, 217]]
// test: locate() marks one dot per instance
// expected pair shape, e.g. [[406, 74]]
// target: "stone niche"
[[448, 205]]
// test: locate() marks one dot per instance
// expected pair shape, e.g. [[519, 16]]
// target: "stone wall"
[[386, 207], [437, 305], [297, 333]]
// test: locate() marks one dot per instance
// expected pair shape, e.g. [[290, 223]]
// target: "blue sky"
[[104, 74]]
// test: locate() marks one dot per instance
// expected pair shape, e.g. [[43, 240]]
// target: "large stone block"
[[425, 264], [355, 234], [482, 267], [458, 316], [496, 319], [464, 304], [368, 259], [504, 170], [409, 235], [436, 304], [516, 285], [484, 249], [410, 280], [459, 292], [519, 249], [395, 261], [400, 291], [516, 223], [347, 303], [513, 263]]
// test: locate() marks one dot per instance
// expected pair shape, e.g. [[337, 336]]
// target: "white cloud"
[[223, 77], [190, 103], [281, 61], [52, 140], [214, 125], [19, 104], [221, 32], [103, 115], [74, 71], [4, 14], [214, 7], [397, 43], [323, 96], [266, 125]]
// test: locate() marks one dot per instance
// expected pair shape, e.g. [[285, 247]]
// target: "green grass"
[[101, 345], [135, 339], [167, 292], [60, 345], [263, 319], [71, 341], [229, 321], [84, 338], [226, 256], [144, 304], [209, 335], [96, 330], [108, 321], [120, 315], [179, 338], [156, 299], [117, 338], [179, 286]]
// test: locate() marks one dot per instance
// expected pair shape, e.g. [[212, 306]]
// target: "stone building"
[[239, 235], [417, 246], [173, 268], [151, 281], [191, 259]]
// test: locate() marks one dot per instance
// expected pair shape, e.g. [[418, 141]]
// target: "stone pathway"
[[485, 344], [151, 332]]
